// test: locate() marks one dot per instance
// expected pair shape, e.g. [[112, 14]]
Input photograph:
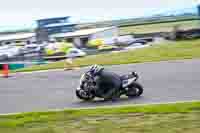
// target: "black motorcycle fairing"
[[107, 81], [129, 76]]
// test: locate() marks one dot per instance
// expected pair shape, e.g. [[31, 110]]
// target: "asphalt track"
[[169, 81]]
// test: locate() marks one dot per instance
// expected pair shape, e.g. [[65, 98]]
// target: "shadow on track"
[[101, 102]]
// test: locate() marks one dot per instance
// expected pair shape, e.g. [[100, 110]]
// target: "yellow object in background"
[[49, 52], [59, 47], [64, 46], [106, 47], [95, 43]]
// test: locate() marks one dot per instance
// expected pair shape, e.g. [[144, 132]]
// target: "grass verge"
[[163, 52], [165, 118], [159, 27]]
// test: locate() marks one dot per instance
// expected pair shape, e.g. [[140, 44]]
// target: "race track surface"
[[163, 82]]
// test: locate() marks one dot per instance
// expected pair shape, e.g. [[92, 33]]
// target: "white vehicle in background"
[[32, 48], [125, 40], [9, 51], [74, 52], [136, 46], [132, 47], [118, 40]]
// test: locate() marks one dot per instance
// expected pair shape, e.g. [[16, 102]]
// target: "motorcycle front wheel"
[[84, 97]]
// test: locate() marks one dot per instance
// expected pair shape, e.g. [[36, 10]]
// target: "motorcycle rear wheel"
[[135, 90]]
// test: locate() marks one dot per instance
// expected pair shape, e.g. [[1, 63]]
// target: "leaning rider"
[[107, 83]]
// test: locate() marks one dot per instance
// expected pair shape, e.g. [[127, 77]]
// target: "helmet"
[[95, 69]]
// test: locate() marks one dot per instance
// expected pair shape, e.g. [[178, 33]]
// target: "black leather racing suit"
[[108, 84]]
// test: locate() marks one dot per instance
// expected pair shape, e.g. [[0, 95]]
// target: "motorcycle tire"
[[135, 90], [84, 98]]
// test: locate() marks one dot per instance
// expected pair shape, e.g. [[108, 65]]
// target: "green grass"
[[165, 118], [160, 27], [168, 51]]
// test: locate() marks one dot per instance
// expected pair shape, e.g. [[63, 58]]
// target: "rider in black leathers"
[[107, 83]]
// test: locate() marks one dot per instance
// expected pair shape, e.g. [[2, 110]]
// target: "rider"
[[107, 83]]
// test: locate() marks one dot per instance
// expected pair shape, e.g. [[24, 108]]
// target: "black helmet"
[[95, 69]]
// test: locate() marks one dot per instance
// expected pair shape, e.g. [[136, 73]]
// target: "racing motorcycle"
[[129, 87]]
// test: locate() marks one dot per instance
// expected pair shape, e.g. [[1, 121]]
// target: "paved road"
[[163, 82]]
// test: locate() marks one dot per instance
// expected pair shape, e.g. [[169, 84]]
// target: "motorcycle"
[[129, 87]]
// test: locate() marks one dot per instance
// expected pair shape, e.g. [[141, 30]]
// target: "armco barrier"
[[5, 70], [19, 65]]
